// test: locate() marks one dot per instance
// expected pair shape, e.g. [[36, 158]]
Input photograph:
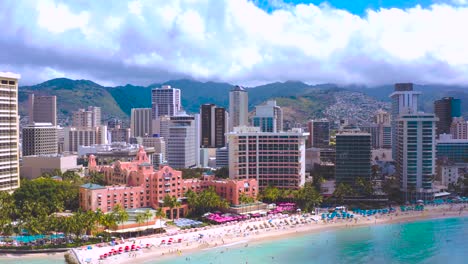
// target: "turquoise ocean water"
[[431, 241]]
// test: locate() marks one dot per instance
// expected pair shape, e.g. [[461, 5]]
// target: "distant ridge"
[[305, 101]]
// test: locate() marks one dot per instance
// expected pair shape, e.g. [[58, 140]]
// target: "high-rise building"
[[141, 122], [382, 117], [182, 149], [459, 128], [9, 135], [319, 133], [114, 122], [404, 101], [222, 157], [454, 150], [416, 154], [165, 101], [74, 137], [353, 156], [159, 145], [40, 139], [89, 118], [213, 126], [380, 130], [118, 134], [446, 109], [276, 159], [238, 107], [42, 109], [269, 117]]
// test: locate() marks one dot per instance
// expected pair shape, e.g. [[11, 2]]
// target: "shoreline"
[[253, 231]]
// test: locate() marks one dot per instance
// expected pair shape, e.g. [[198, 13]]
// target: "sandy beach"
[[255, 230]]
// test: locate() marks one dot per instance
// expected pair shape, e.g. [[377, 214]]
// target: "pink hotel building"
[[271, 158], [136, 184]]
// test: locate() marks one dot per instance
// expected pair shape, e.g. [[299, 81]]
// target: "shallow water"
[[429, 241]]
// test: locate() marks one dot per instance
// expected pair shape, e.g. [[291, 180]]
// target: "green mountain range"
[[298, 100]]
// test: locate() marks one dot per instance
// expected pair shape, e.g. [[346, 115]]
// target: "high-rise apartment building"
[[319, 133], [42, 109], [459, 128], [269, 117], [238, 107], [40, 139], [182, 142], [416, 154], [446, 109], [165, 101], [141, 122], [214, 122], [89, 118], [276, 159], [353, 156], [404, 101], [9, 135]]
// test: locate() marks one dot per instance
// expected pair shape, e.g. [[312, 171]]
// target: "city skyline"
[[344, 43]]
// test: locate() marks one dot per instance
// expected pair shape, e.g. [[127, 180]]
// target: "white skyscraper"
[[183, 143], [269, 117], [165, 101], [9, 135], [416, 154], [238, 107], [404, 101]]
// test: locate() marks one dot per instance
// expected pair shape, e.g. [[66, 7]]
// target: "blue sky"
[[245, 42], [357, 7]]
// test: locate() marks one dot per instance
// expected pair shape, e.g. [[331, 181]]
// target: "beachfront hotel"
[[416, 154], [136, 184], [353, 156], [276, 159], [9, 133]]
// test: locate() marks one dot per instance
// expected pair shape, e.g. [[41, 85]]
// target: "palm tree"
[[148, 215], [170, 201], [140, 219], [120, 214], [160, 214]]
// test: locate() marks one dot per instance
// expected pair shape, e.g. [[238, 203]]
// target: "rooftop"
[[237, 88], [10, 75], [92, 186]]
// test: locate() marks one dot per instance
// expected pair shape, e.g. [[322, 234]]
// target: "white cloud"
[[57, 18], [144, 41]]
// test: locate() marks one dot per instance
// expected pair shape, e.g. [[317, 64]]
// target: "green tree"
[[120, 214], [307, 197], [270, 194], [222, 173], [55, 196], [148, 215], [342, 190], [205, 201], [96, 178], [244, 199], [140, 218], [170, 201], [7, 210], [364, 186]]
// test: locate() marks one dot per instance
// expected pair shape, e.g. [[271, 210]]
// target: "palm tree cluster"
[[306, 197], [206, 201]]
